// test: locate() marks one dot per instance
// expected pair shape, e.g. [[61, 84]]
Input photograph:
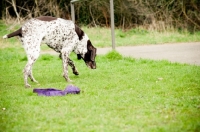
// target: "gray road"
[[179, 52]]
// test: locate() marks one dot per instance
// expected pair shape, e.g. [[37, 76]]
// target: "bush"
[[113, 55]]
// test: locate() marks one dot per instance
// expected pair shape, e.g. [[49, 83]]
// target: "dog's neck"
[[81, 47]]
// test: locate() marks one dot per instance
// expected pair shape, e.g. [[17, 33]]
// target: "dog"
[[61, 35]]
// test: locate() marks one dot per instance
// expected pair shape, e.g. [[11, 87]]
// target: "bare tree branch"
[[13, 3], [183, 10]]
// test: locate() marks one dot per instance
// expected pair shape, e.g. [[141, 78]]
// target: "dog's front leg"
[[71, 63], [65, 60]]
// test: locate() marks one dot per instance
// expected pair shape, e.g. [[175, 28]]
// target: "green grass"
[[101, 37], [122, 94]]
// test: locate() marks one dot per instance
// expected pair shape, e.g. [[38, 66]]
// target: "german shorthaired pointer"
[[61, 35]]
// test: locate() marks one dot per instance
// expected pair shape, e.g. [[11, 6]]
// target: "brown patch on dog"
[[79, 32], [46, 18], [16, 33]]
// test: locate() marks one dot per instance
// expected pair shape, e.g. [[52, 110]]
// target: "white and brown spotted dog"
[[61, 35]]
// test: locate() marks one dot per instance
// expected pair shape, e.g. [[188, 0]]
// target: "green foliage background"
[[154, 15]]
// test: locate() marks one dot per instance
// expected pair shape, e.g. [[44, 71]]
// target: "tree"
[[150, 14]]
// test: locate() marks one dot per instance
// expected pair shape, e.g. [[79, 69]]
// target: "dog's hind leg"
[[28, 68], [32, 51]]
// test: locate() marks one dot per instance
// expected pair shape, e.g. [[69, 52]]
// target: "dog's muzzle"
[[91, 64]]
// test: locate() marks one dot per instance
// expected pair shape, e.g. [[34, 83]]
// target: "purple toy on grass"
[[70, 89]]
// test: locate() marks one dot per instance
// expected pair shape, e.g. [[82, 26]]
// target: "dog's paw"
[[34, 81], [69, 80], [27, 85], [75, 73]]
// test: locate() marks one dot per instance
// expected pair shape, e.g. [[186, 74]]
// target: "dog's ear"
[[79, 56], [92, 50], [93, 54]]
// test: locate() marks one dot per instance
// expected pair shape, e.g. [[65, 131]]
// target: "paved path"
[[179, 52]]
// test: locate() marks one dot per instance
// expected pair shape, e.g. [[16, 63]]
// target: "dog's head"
[[89, 56]]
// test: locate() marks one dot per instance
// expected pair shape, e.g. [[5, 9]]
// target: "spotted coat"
[[61, 35]]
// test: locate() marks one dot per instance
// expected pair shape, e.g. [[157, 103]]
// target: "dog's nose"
[[94, 67]]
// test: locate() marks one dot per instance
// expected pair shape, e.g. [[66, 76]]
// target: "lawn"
[[122, 94]]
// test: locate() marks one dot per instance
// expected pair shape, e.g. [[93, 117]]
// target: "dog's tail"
[[16, 33]]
